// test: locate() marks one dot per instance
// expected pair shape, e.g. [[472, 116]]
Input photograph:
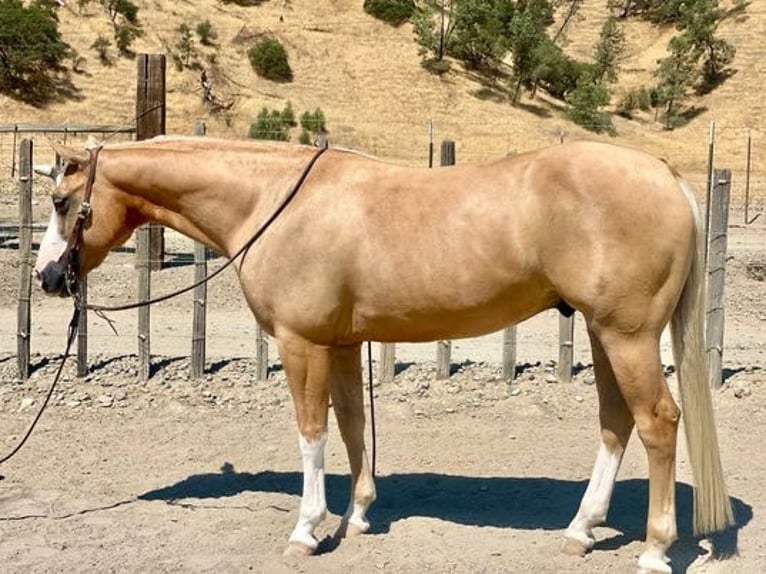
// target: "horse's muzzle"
[[53, 279]]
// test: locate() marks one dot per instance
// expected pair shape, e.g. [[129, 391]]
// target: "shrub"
[[101, 45], [276, 124], [269, 60], [313, 122], [273, 124], [394, 12], [207, 34], [634, 99]]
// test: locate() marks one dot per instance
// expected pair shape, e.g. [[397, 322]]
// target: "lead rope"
[[99, 309], [372, 404], [71, 334]]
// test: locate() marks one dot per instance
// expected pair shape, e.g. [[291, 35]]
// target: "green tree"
[[675, 75], [527, 33], [586, 103], [184, 47], [699, 23], [554, 71], [124, 17], [480, 32], [609, 51], [433, 25], [32, 51], [269, 60]]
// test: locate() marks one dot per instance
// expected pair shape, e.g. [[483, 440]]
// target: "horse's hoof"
[[296, 550], [354, 530], [574, 547], [348, 530]]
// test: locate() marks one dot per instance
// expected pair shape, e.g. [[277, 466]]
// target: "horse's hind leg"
[[635, 360], [616, 425], [348, 402]]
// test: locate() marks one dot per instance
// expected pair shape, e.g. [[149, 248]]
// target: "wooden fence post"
[[566, 347], [199, 320], [509, 353], [716, 271], [25, 258], [82, 330], [150, 122], [387, 369], [444, 348], [709, 185]]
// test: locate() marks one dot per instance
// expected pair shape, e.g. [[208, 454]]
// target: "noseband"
[[70, 258]]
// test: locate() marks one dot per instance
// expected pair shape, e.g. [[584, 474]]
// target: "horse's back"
[[389, 253]]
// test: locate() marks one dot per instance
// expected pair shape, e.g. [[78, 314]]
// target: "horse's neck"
[[215, 197]]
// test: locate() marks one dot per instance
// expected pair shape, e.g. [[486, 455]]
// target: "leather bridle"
[[70, 258]]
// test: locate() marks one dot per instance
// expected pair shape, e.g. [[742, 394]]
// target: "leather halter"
[[70, 258]]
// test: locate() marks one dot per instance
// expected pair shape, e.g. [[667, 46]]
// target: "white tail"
[[712, 507]]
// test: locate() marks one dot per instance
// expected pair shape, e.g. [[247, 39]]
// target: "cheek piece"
[[65, 272]]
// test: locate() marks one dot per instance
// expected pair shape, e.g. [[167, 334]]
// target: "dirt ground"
[[473, 474]]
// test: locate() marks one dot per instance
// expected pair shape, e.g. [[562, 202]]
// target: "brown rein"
[[242, 251]]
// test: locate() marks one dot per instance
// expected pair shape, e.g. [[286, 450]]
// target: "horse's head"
[[80, 233]]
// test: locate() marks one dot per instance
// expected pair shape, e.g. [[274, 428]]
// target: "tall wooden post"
[[444, 348], [716, 271], [150, 122], [199, 320], [25, 259], [709, 186]]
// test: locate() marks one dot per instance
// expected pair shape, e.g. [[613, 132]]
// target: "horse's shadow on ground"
[[525, 503]]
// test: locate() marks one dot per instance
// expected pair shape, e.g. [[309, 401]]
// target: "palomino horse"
[[371, 251]]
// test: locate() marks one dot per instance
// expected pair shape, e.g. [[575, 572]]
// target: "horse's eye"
[[60, 204]]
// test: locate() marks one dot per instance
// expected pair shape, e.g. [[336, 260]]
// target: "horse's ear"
[[72, 155]]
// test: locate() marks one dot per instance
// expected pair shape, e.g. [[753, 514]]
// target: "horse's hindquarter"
[[621, 233], [373, 251]]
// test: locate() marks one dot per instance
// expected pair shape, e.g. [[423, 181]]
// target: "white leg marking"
[[355, 515], [52, 245], [595, 502], [313, 503], [654, 561]]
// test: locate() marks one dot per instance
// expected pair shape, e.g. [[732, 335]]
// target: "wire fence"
[[743, 152]]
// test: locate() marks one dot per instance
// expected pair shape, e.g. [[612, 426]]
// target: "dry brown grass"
[[366, 77]]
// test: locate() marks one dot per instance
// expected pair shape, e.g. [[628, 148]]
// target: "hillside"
[[366, 77]]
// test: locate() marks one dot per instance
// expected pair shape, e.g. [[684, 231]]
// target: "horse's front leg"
[[307, 367], [348, 402]]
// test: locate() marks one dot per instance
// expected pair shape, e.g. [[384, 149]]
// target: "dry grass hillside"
[[366, 77]]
